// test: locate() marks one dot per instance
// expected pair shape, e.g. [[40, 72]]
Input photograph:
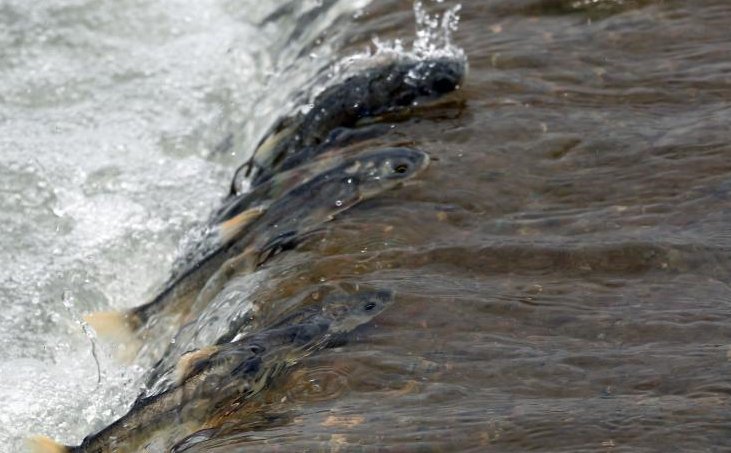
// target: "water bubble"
[[317, 384]]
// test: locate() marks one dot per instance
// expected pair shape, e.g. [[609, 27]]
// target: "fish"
[[358, 178], [220, 378], [160, 375], [263, 194], [363, 97], [370, 173], [302, 208], [301, 176]]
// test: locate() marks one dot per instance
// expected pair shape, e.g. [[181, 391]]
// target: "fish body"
[[375, 92], [226, 375], [297, 184], [311, 204], [295, 141], [299, 210]]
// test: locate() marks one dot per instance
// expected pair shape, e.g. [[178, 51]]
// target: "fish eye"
[[401, 168], [369, 306]]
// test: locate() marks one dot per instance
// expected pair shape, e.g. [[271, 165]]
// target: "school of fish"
[[302, 174]]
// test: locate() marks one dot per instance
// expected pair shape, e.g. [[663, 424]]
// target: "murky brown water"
[[562, 269]]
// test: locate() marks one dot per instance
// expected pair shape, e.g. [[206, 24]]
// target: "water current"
[[561, 269]]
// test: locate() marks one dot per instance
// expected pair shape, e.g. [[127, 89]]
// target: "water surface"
[[561, 269]]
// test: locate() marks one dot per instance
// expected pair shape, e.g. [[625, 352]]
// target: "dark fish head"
[[380, 170], [235, 358], [413, 82], [348, 311], [436, 77], [372, 302], [359, 177]]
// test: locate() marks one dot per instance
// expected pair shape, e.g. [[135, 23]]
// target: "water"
[[561, 270], [112, 117]]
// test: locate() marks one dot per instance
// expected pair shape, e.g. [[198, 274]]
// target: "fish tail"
[[189, 362], [43, 444], [269, 149], [233, 227], [118, 327]]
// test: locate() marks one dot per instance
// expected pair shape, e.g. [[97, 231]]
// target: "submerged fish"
[[356, 179], [220, 378], [375, 92], [359, 177], [297, 211], [296, 188], [161, 375], [265, 194]]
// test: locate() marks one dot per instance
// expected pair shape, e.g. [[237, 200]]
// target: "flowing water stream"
[[561, 270], [120, 125]]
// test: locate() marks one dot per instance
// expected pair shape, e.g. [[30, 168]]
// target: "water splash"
[[433, 40], [68, 303], [434, 32], [318, 383]]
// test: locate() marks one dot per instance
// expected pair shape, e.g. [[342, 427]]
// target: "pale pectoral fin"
[[369, 120], [262, 156], [188, 362], [114, 325], [117, 327], [43, 444], [232, 227]]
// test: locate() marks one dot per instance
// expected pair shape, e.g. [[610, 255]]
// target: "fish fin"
[[187, 363], [237, 181], [232, 227], [119, 328], [264, 150], [370, 120], [243, 262], [115, 325], [43, 444]]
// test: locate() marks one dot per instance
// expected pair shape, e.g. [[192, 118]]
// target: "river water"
[[561, 269]]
